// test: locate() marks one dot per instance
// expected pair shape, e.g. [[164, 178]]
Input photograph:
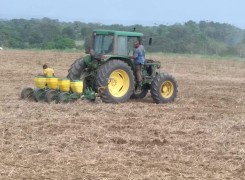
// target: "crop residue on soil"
[[199, 136]]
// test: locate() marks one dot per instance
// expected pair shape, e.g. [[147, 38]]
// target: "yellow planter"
[[40, 82], [77, 87], [64, 85], [52, 82]]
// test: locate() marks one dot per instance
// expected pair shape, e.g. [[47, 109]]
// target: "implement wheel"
[[117, 80], [164, 89], [27, 93], [63, 97], [39, 95], [50, 95]]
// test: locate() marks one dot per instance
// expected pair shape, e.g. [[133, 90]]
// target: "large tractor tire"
[[164, 89], [115, 81], [76, 69]]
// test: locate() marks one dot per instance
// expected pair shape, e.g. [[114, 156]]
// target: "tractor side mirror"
[[150, 41]]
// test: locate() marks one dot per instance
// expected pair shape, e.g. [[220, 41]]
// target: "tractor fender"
[[121, 58]]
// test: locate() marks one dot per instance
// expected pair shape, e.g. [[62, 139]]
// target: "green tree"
[[191, 37], [60, 43], [64, 43], [68, 32], [217, 48]]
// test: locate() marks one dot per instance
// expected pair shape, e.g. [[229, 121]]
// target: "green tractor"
[[108, 70]]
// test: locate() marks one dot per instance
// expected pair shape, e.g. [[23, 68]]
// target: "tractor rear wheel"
[[27, 93], [164, 89], [115, 81], [76, 69]]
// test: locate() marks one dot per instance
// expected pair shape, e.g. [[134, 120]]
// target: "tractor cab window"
[[103, 44], [122, 45]]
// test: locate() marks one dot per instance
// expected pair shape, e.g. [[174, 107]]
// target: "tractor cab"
[[116, 43]]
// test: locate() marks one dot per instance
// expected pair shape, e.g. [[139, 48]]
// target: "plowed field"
[[199, 136]]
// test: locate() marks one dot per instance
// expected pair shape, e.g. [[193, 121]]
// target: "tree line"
[[209, 38]]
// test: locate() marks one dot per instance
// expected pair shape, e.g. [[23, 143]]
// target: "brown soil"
[[199, 136]]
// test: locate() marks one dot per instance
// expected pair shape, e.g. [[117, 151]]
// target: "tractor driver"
[[139, 60]]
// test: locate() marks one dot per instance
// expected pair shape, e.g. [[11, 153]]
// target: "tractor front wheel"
[[115, 81], [164, 89]]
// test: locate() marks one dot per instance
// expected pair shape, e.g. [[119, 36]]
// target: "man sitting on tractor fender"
[[139, 60]]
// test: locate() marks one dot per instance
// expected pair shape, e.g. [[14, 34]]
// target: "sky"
[[128, 12]]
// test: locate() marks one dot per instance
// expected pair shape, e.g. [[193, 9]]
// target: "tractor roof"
[[118, 33]]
